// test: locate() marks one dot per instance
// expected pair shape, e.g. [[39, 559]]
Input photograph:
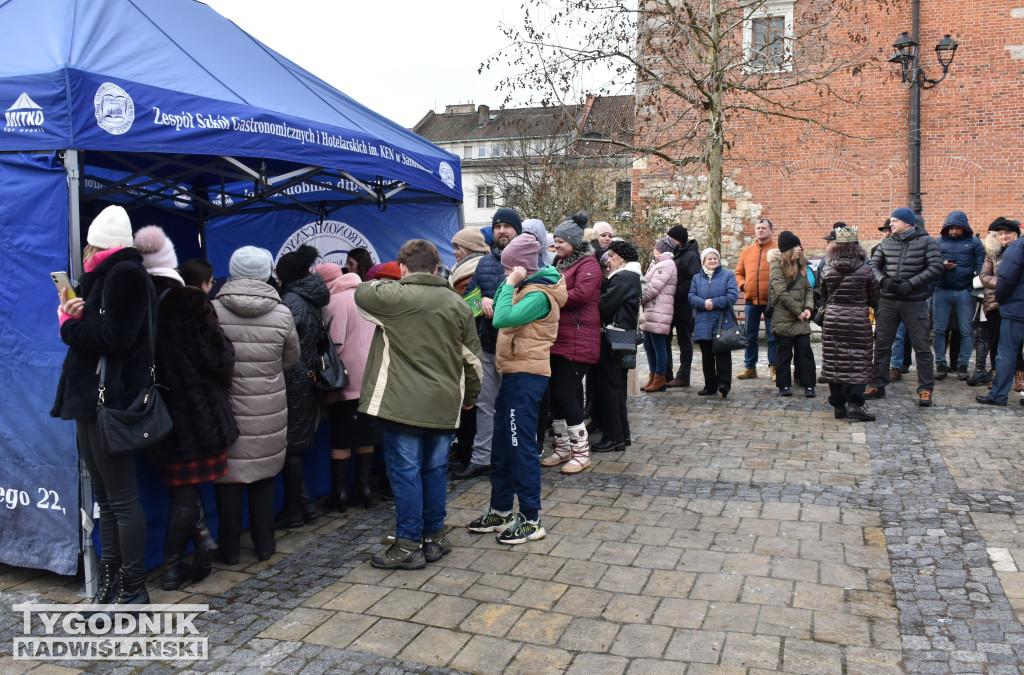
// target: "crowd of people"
[[531, 332]]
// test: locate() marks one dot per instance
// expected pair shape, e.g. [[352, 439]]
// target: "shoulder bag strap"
[[102, 367]]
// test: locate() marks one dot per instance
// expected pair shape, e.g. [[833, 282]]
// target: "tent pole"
[[89, 560]]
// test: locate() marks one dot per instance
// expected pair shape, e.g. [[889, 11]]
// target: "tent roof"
[[174, 76]]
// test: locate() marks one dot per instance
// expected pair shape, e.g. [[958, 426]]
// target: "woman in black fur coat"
[[109, 319], [194, 361]]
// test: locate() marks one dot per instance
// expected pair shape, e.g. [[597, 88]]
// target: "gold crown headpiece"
[[846, 235]]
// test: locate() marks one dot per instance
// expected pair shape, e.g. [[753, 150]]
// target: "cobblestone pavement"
[[748, 535]]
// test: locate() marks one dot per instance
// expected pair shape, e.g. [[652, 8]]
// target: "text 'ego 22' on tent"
[[171, 110]]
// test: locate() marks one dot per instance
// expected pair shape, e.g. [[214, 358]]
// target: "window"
[[467, 152], [485, 196], [623, 194], [766, 33], [482, 151]]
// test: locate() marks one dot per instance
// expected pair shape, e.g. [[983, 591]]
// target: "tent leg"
[[90, 561], [74, 216]]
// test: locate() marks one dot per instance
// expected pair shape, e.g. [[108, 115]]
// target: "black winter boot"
[[291, 513], [362, 490], [132, 589], [206, 546], [980, 376], [308, 507], [106, 589], [338, 498], [859, 413], [181, 523]]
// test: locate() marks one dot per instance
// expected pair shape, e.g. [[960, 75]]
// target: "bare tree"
[[705, 73]]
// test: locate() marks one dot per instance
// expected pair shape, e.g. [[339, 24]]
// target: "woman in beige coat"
[[266, 345]]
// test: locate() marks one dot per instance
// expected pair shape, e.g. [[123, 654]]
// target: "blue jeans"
[[752, 319], [514, 446], [656, 346], [416, 465], [1011, 337], [896, 361], [943, 302]]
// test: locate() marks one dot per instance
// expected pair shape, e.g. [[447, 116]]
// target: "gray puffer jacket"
[[266, 345], [908, 256], [306, 298]]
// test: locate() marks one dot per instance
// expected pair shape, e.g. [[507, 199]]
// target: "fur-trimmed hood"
[[578, 254], [774, 254], [992, 245]]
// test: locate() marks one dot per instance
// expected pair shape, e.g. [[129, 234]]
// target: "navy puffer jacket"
[[1010, 284], [490, 274], [967, 252]]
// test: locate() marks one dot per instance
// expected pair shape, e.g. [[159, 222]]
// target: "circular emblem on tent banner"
[[447, 175], [115, 110], [332, 238]]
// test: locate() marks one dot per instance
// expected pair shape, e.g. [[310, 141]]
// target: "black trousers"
[[609, 378], [116, 488], [565, 389], [914, 315], [717, 367], [790, 351], [683, 329], [841, 394], [261, 515]]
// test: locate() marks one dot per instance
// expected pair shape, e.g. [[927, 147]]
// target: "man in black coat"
[[906, 265], [687, 260]]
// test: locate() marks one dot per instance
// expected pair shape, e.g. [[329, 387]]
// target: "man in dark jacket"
[[962, 256], [1009, 293], [687, 260], [505, 226], [906, 265]]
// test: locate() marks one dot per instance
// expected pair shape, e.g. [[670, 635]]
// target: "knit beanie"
[[623, 249], [1002, 224], [328, 271], [705, 252], [602, 227], [679, 233], [488, 232], [251, 262], [390, 270], [156, 249], [374, 271], [471, 239], [507, 215], [788, 240], [111, 229], [522, 252], [665, 245], [570, 232], [295, 265], [905, 214]]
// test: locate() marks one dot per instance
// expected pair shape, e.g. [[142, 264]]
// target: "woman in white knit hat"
[[109, 319]]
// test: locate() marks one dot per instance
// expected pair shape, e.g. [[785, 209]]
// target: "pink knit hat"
[[328, 271], [522, 252]]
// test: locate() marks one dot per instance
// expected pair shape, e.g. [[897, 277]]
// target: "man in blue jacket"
[[1010, 296], [962, 256]]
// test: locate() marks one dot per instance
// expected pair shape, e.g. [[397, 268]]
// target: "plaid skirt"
[[194, 471]]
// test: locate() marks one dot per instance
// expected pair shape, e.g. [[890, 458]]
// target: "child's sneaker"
[[491, 521], [436, 545], [402, 554], [521, 531]]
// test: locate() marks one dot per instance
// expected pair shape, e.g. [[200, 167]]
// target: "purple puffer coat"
[[579, 324], [660, 298], [846, 340]]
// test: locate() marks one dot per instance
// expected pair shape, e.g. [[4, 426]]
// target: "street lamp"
[[913, 77]]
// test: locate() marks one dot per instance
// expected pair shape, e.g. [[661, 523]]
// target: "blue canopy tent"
[[173, 111]]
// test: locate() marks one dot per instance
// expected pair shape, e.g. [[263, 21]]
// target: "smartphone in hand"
[[62, 282]]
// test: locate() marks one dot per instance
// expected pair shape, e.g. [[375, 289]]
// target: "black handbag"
[[622, 340], [728, 339], [146, 421], [328, 372], [819, 314]]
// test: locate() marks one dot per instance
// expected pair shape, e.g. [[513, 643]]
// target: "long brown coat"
[[993, 256], [846, 340]]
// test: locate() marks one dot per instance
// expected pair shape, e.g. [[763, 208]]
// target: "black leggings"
[[717, 367], [116, 488], [566, 384]]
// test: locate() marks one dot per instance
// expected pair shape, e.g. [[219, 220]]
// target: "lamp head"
[[946, 50]]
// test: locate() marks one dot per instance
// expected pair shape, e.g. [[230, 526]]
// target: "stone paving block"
[[589, 664], [657, 557], [400, 603], [689, 539], [340, 630], [843, 576], [616, 553], [485, 655], [588, 635], [751, 651], [434, 647], [680, 613], [575, 548], [541, 628], [766, 591], [784, 621], [637, 640], [583, 602], [781, 546], [780, 511], [537, 566], [491, 619], [532, 659], [296, 624], [630, 608], [718, 587], [621, 579], [695, 646], [732, 616], [538, 594], [444, 611], [666, 584], [867, 603], [357, 598], [581, 573], [450, 581], [496, 562]]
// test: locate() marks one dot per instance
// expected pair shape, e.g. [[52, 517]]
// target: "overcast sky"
[[400, 58]]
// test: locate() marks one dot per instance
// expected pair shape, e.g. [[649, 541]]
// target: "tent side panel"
[[38, 459]]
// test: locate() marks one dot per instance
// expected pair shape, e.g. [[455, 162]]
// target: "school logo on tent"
[[446, 174], [115, 110], [333, 239], [25, 116]]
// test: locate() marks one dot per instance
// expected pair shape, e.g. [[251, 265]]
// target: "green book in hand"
[[476, 301]]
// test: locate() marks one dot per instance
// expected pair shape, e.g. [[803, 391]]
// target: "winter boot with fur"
[[579, 447], [560, 448]]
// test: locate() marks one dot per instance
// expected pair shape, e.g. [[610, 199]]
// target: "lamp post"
[[913, 77]]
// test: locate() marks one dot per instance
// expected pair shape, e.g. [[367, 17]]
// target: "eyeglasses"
[[765, 221]]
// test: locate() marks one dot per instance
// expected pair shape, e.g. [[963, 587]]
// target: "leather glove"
[[904, 289], [889, 285]]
